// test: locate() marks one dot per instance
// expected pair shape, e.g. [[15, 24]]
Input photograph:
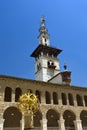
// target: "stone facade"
[[62, 107]]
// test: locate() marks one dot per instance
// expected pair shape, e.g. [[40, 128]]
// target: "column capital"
[[2, 121], [61, 121], [44, 114], [43, 120]]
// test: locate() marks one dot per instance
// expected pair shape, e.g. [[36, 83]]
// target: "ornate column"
[[44, 121], [61, 123], [78, 125]]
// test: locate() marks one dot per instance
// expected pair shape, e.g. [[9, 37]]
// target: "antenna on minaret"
[[65, 66], [42, 21]]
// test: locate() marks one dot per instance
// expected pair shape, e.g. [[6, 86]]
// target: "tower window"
[[51, 65]]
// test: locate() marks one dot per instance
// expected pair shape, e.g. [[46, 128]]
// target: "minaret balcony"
[[51, 66]]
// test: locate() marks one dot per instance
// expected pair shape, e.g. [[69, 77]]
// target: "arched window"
[[50, 63], [70, 98], [55, 98], [47, 95], [52, 117], [69, 118], [8, 94], [83, 117], [85, 98], [12, 117], [79, 100], [18, 93], [64, 101], [38, 95], [37, 118]]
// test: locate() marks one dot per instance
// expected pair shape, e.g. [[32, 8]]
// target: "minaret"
[[46, 62], [44, 36]]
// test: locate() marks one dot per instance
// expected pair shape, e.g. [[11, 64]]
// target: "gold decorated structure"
[[28, 102]]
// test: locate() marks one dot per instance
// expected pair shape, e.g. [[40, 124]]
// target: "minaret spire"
[[43, 33]]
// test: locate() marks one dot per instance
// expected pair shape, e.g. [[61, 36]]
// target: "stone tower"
[[46, 61]]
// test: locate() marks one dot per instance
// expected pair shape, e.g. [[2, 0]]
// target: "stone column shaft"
[[1, 124], [78, 125], [22, 123], [61, 124], [43, 124]]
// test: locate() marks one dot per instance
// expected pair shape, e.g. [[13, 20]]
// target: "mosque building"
[[62, 106]]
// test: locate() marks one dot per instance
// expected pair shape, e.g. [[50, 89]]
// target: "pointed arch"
[[8, 94]]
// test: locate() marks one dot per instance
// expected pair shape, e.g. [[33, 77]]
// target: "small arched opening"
[[64, 100], [55, 98], [38, 94], [48, 99], [8, 94], [79, 100], [18, 93], [70, 98]]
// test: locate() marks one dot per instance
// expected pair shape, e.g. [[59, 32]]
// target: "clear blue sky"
[[66, 21]]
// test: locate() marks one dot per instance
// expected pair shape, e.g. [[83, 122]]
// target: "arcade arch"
[[69, 118], [12, 117], [83, 117], [37, 118], [52, 118]]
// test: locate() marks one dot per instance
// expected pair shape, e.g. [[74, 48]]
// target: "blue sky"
[[66, 21]]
